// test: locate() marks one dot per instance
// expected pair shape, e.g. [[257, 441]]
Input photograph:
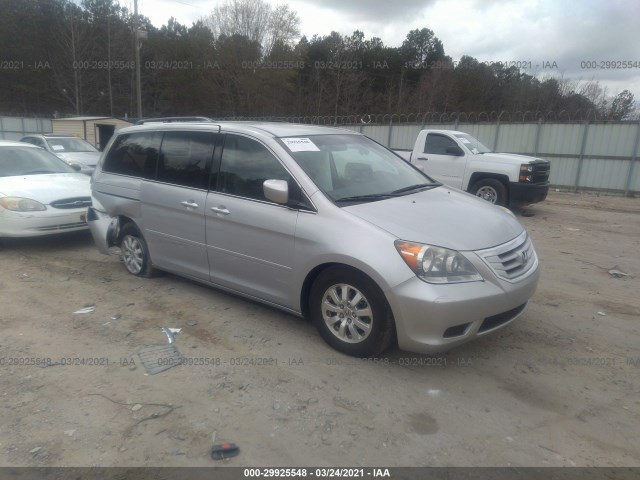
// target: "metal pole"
[[633, 161], [581, 157], [137, 40], [535, 147], [495, 139], [390, 127]]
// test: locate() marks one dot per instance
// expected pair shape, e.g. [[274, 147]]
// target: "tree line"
[[248, 58]]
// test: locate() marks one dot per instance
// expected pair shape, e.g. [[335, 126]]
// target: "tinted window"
[[437, 144], [184, 158], [245, 165], [134, 154]]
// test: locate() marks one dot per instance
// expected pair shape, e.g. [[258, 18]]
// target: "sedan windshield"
[[354, 168], [16, 161], [472, 143], [62, 145]]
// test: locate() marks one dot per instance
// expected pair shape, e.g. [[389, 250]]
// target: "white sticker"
[[464, 140], [57, 147], [300, 145]]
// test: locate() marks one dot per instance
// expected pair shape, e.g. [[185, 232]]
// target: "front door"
[[440, 165], [250, 240]]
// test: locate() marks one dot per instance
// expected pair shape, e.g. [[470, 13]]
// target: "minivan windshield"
[[354, 168]]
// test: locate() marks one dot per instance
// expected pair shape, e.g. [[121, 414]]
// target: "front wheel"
[[350, 312], [490, 190], [135, 253]]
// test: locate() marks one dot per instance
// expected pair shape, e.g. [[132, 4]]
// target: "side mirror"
[[276, 190], [75, 166], [455, 150]]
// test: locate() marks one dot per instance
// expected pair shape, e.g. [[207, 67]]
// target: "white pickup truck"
[[459, 160]]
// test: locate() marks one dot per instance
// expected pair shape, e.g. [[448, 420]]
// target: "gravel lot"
[[558, 387]]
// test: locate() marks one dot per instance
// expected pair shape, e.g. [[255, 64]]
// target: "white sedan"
[[39, 193]]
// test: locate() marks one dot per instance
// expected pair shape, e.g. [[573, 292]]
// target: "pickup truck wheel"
[[135, 253], [350, 312], [491, 190]]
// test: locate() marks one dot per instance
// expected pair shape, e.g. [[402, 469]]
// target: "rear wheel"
[[490, 190], [135, 253], [350, 312]]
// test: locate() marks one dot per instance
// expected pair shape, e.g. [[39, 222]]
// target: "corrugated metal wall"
[[588, 155], [14, 128]]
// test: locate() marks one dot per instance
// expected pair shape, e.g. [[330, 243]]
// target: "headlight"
[[437, 264], [526, 171], [18, 204]]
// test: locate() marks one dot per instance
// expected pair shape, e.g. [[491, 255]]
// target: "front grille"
[[540, 172], [512, 260], [64, 226], [68, 203], [494, 321]]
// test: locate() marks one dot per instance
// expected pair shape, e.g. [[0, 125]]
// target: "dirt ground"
[[558, 387]]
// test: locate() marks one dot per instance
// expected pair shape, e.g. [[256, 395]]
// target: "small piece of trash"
[[35, 450], [602, 314], [171, 332], [106, 324], [89, 309], [191, 323], [615, 272], [136, 407], [224, 450], [433, 393], [117, 316], [213, 437], [573, 229], [69, 433]]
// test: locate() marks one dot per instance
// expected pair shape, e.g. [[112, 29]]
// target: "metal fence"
[[14, 128]]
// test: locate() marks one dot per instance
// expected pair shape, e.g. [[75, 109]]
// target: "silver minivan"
[[320, 222]]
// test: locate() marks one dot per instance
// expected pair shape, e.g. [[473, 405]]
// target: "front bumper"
[[526, 193], [435, 318], [45, 222], [104, 229]]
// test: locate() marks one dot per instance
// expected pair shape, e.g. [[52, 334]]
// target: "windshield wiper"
[[35, 172], [414, 187], [366, 198]]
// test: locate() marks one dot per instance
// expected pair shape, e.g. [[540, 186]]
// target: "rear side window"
[[437, 144], [245, 165], [185, 158], [134, 154]]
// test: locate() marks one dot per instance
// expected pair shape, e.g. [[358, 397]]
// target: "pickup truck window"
[[437, 144], [472, 143]]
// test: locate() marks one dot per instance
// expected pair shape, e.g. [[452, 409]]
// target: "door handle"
[[221, 209], [189, 204], [423, 158]]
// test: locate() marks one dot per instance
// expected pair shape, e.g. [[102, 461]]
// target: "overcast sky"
[[539, 32]]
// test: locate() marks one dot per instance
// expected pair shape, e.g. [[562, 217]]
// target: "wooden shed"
[[95, 130]]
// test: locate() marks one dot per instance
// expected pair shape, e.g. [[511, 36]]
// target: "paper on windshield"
[[57, 147], [464, 140], [297, 144]]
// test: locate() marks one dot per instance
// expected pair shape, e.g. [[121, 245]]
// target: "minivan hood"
[[443, 217], [46, 188], [85, 158]]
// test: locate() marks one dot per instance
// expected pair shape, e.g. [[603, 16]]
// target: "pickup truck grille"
[[512, 260], [540, 172], [68, 203]]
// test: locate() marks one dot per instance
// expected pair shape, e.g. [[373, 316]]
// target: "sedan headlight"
[[19, 204], [436, 264]]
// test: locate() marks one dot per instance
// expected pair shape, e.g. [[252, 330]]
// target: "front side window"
[[437, 144], [134, 154], [185, 158], [245, 165]]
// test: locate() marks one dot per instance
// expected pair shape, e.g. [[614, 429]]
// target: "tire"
[[491, 190], [334, 314], [135, 253]]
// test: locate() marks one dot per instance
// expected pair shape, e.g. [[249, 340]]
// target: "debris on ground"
[[171, 333], [224, 450], [158, 358], [117, 316], [136, 407], [86, 309], [602, 314], [615, 272], [192, 323]]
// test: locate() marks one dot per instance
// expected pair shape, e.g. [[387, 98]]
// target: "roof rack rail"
[[173, 120]]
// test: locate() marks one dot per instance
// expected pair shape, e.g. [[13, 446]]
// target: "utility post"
[[136, 36]]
